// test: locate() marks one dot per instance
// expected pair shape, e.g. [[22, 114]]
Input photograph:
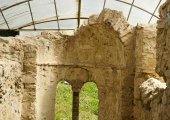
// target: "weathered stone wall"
[[18, 72], [29, 73], [163, 59], [145, 54], [11, 56], [105, 51], [102, 52], [118, 57], [154, 95]]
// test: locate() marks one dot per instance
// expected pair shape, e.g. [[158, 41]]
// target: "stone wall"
[[163, 61], [11, 56], [101, 52], [118, 57], [145, 64], [18, 72], [29, 82], [154, 94]]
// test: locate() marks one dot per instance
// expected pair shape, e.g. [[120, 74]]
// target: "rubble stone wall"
[[145, 54], [163, 60], [29, 73], [11, 56], [118, 57]]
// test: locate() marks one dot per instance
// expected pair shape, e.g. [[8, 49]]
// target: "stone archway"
[[89, 102], [63, 101]]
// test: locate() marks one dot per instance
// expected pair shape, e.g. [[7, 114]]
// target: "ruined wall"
[[29, 73], [118, 57], [104, 52], [145, 54], [18, 72], [155, 92], [163, 61], [11, 56], [101, 52]]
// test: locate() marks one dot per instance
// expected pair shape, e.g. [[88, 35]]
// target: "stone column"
[[101, 107], [75, 108], [29, 82], [76, 87]]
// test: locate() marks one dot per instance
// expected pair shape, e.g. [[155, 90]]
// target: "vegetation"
[[88, 102]]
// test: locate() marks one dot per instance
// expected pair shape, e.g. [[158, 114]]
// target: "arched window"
[[88, 109], [63, 101]]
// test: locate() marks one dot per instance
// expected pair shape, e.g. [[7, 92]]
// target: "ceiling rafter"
[[130, 9], [138, 8], [56, 11], [155, 11], [50, 19], [4, 19], [79, 13], [15, 5], [31, 13], [42, 29], [104, 4]]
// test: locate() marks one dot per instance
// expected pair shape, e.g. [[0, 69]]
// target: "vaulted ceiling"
[[70, 14]]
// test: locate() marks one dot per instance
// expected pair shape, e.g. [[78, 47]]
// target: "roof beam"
[[50, 19], [104, 4], [5, 19], [155, 11], [138, 8], [79, 13], [130, 9], [56, 14], [41, 29], [15, 5], [31, 13]]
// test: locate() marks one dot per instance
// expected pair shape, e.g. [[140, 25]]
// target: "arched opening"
[[63, 101], [88, 109]]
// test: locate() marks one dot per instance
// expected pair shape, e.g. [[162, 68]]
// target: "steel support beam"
[[138, 8], [40, 29], [5, 19], [155, 11], [31, 13], [79, 13], [45, 21], [3, 9], [104, 4], [56, 14], [130, 9]]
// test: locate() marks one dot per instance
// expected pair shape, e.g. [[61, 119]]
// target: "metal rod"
[[56, 14], [155, 11], [79, 13], [104, 4], [45, 21], [15, 5], [130, 9], [31, 14], [39, 29], [5, 19], [138, 8]]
